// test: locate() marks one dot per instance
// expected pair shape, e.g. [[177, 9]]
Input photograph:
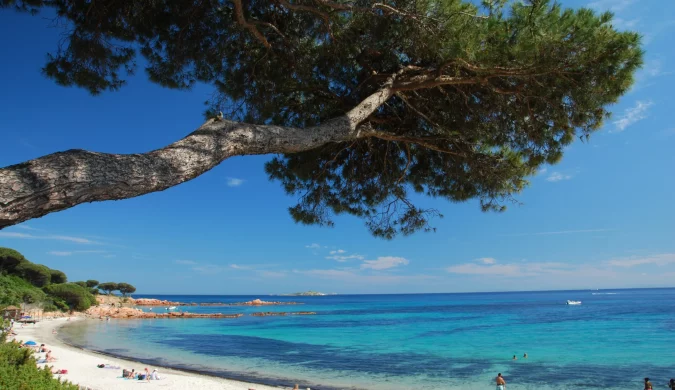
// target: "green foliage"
[[75, 296], [38, 275], [57, 277], [108, 287], [126, 288], [81, 283], [92, 283], [525, 82], [19, 371], [14, 291], [9, 259]]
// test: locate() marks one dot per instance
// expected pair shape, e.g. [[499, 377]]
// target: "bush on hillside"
[[15, 291], [57, 277], [38, 275], [92, 283], [74, 295], [81, 283], [19, 371], [9, 259]]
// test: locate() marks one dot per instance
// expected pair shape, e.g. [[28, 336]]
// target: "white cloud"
[[385, 262], [70, 253], [612, 5], [623, 24], [658, 260], [27, 236], [26, 227], [185, 262], [338, 251], [240, 267], [542, 171], [234, 182], [313, 246], [345, 258], [486, 260], [557, 176], [632, 115]]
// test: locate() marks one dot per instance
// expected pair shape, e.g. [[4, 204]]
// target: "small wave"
[[604, 293]]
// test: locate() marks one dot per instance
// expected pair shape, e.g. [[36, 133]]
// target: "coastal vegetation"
[[19, 371], [363, 103], [24, 282]]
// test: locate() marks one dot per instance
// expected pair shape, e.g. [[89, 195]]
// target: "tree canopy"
[[363, 102], [126, 289], [108, 287]]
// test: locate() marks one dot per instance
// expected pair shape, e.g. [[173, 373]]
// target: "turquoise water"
[[418, 341]]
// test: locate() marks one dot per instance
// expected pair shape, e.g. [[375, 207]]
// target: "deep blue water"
[[415, 341]]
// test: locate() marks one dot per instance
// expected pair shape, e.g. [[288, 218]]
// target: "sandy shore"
[[82, 370]]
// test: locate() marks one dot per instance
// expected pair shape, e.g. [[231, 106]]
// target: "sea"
[[613, 340]]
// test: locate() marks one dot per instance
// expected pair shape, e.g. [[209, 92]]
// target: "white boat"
[[573, 302], [171, 308]]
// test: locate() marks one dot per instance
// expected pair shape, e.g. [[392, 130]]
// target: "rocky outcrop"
[[158, 302]]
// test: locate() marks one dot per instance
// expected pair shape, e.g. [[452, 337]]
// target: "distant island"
[[305, 294]]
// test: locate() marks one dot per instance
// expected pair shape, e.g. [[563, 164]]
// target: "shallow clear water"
[[418, 341]]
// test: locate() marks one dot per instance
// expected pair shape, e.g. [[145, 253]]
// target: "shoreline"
[[81, 365]]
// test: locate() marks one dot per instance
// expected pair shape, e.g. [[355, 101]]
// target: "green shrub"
[[18, 370], [15, 291], [92, 283], [9, 259], [38, 275], [81, 283], [75, 296], [57, 277]]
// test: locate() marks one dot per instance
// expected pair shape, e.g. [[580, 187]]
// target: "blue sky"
[[602, 218]]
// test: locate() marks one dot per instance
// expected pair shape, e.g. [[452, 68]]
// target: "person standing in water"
[[515, 357], [525, 355], [501, 383], [648, 384]]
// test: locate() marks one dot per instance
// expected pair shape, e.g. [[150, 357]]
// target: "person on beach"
[[501, 383], [49, 357], [147, 374], [155, 375], [648, 384], [132, 374], [296, 387]]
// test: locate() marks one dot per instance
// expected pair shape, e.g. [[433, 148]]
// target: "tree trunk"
[[62, 180]]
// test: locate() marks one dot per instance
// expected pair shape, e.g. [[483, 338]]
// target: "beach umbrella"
[[30, 343]]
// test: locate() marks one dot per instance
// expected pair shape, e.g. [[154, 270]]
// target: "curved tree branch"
[[62, 180]]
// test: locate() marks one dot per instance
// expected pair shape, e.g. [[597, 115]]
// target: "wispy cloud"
[[79, 240], [272, 274], [339, 251], [659, 260], [70, 253], [486, 260], [623, 24], [345, 258], [313, 246], [632, 115], [240, 267], [26, 227], [541, 171], [185, 262], [612, 5], [384, 262], [559, 232], [234, 182], [209, 269], [557, 176]]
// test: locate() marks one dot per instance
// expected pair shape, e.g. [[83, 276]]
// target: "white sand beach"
[[82, 370]]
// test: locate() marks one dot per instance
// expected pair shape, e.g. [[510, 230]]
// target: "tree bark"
[[62, 180]]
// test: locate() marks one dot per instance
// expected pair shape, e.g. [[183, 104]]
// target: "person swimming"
[[525, 355], [515, 357], [501, 383]]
